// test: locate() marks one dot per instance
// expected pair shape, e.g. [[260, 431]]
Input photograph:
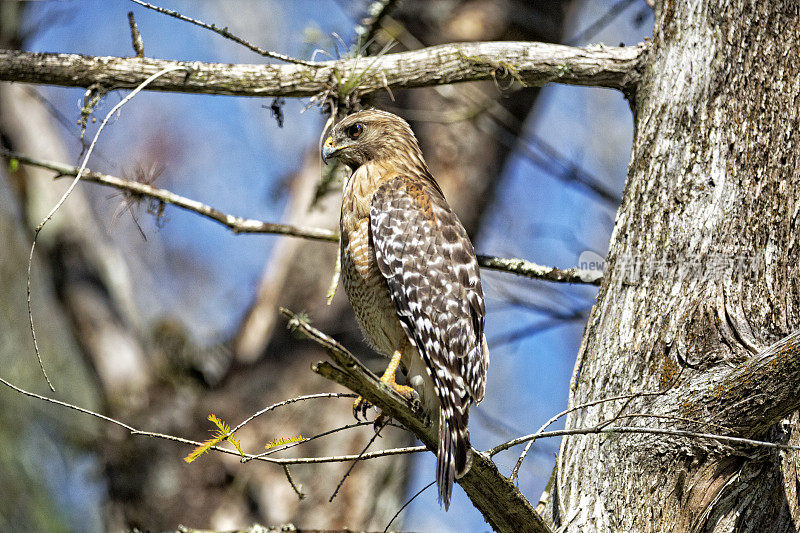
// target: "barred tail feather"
[[454, 456]]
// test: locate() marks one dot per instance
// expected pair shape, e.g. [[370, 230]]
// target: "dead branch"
[[599, 429], [223, 32], [501, 503], [534, 271], [237, 224], [532, 64]]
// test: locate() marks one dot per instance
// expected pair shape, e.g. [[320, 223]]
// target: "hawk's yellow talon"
[[388, 378]]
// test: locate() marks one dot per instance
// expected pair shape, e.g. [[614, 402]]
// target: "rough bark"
[[534, 64], [702, 275]]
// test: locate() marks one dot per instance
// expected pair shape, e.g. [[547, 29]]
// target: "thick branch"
[[501, 503], [753, 396], [533, 64]]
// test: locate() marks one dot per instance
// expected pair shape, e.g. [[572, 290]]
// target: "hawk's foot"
[[361, 405]]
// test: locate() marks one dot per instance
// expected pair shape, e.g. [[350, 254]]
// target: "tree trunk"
[[701, 275]]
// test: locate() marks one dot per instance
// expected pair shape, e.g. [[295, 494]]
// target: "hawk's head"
[[369, 135]]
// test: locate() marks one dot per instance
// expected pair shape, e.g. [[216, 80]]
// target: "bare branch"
[[565, 412], [287, 402], [355, 461], [225, 33], [296, 487], [519, 267], [420, 491], [725, 439], [173, 438], [236, 224], [534, 271], [136, 37], [308, 439], [65, 404], [533, 64], [501, 503], [339, 458]]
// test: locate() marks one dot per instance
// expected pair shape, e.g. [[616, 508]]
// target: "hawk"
[[411, 275]]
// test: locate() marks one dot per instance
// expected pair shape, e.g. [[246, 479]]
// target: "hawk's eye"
[[355, 131]]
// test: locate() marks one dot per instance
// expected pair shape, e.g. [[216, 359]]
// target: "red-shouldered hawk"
[[410, 272]]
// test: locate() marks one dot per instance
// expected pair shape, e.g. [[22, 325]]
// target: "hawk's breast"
[[365, 285]]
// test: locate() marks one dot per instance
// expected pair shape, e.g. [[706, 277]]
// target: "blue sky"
[[230, 153]]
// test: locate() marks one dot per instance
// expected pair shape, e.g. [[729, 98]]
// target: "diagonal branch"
[[531, 63], [237, 224], [501, 503]]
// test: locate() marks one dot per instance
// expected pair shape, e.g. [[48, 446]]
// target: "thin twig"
[[613, 419], [290, 401], [347, 474], [340, 458], [420, 491], [296, 487], [66, 404], [645, 430], [677, 419], [565, 412], [136, 37], [520, 267], [225, 33], [309, 439], [66, 194]]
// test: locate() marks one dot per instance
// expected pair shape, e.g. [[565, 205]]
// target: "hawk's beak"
[[328, 150]]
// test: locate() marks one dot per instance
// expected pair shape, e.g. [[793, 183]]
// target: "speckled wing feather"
[[432, 274]]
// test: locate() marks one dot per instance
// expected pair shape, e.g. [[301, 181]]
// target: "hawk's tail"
[[454, 457]]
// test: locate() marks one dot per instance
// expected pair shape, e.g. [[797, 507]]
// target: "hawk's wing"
[[432, 274], [429, 264]]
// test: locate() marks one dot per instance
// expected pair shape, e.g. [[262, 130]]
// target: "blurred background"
[[160, 317]]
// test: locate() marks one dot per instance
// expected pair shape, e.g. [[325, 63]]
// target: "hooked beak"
[[328, 150]]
